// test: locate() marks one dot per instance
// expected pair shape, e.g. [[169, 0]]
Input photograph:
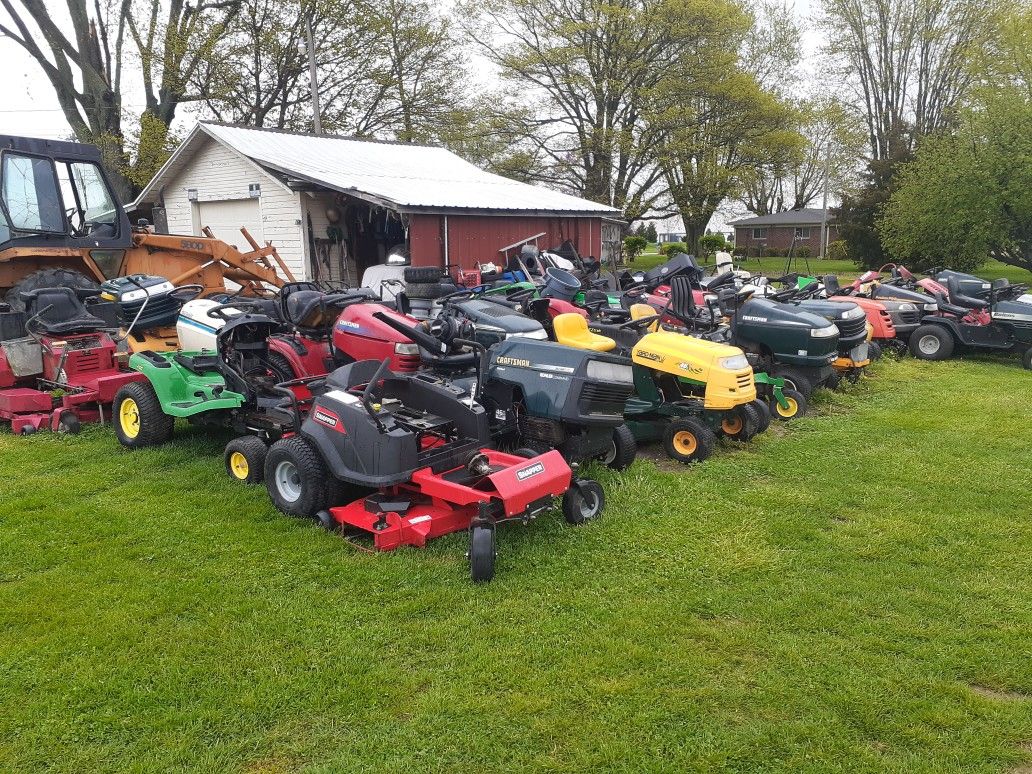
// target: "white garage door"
[[226, 217]]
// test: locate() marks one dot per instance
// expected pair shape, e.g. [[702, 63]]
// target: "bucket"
[[560, 284]]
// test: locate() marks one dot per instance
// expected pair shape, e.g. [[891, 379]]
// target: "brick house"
[[782, 230]]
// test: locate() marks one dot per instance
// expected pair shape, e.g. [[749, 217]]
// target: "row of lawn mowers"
[[355, 413]]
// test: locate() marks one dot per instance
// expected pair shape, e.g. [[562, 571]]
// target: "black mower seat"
[[831, 284], [352, 374], [59, 312], [957, 298], [304, 308]]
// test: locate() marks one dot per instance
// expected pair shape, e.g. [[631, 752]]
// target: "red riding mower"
[[65, 371], [424, 453]]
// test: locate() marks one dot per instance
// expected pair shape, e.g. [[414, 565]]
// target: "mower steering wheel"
[[241, 307], [455, 295], [640, 324], [343, 299]]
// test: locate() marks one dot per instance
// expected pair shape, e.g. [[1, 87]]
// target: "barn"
[[333, 206]]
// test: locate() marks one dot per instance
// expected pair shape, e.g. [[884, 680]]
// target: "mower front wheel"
[[584, 500], [741, 423], [68, 423], [622, 450], [138, 417], [688, 440], [931, 342], [295, 477], [1026, 359], [874, 350], [245, 459], [764, 411], [481, 553], [796, 406], [796, 380]]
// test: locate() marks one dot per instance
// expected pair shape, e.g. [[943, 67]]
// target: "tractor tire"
[[742, 423], [622, 451], [424, 290], [764, 411], [688, 440], [342, 493], [931, 342], [68, 423], [797, 406], [482, 553], [245, 459], [47, 278], [138, 417], [795, 380], [584, 501], [1026, 359], [282, 368], [422, 275], [295, 477], [874, 350]]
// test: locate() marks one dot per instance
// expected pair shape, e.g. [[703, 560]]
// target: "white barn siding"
[[219, 174]]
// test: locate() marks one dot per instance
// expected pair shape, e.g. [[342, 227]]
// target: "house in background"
[[782, 230], [333, 206]]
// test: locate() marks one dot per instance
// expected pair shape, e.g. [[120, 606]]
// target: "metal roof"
[[802, 217], [403, 176]]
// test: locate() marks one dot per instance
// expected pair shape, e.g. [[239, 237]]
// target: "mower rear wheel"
[[622, 449], [931, 342], [245, 459], [764, 411], [584, 500], [795, 380], [48, 278], [688, 440], [421, 274], [138, 418], [281, 367], [481, 553], [1026, 359], [295, 477], [797, 406]]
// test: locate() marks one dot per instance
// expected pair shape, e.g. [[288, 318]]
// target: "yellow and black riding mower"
[[687, 390]]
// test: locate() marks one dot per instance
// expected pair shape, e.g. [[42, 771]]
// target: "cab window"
[[30, 194]]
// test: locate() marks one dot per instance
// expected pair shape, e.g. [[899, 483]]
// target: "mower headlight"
[[136, 295], [823, 333], [931, 307], [614, 373], [909, 307], [406, 348], [853, 313], [734, 363]]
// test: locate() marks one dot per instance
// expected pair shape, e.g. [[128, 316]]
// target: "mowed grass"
[[849, 593]]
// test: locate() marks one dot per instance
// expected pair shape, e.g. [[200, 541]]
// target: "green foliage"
[[669, 248], [802, 251], [968, 195], [837, 251], [711, 243], [633, 246], [858, 213]]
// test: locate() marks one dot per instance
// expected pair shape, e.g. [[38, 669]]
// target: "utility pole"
[[824, 212], [316, 113]]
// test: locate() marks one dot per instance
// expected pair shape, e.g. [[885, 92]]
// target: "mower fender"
[[776, 384], [181, 392], [945, 322]]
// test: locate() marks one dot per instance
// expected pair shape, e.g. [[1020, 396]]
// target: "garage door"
[[225, 218]]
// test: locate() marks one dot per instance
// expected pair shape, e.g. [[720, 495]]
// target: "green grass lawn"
[[850, 593]]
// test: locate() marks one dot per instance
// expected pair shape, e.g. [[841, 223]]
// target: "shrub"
[[668, 248], [837, 251], [802, 252], [711, 243], [633, 246]]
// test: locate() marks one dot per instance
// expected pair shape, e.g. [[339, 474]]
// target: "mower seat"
[[353, 374], [572, 330], [831, 285], [65, 315], [641, 311], [682, 303], [957, 298], [304, 308]]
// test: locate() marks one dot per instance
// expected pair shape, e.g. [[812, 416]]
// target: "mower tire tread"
[[797, 406], [584, 501], [764, 411], [1026, 359], [311, 475], [944, 337], [282, 367], [422, 275], [253, 451], [624, 449], [427, 290], [796, 380], [482, 553], [688, 440], [155, 426]]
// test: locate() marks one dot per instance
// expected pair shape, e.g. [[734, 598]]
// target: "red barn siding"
[[474, 239]]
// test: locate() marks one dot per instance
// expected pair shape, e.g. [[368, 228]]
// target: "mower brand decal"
[[553, 376], [419, 519], [328, 418], [753, 318], [690, 368], [349, 324], [560, 369], [530, 472], [513, 361], [645, 354]]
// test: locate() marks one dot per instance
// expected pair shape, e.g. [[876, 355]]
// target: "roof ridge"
[[297, 133]]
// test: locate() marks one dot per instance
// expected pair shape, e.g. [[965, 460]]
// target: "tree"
[[589, 69], [858, 214], [906, 61], [633, 246], [171, 41], [968, 195], [650, 232]]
